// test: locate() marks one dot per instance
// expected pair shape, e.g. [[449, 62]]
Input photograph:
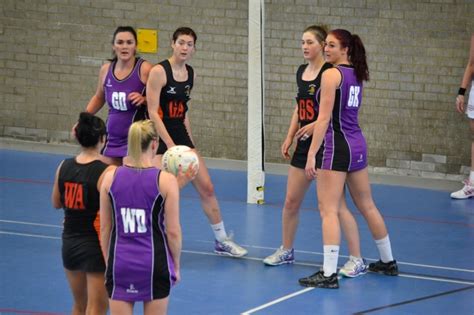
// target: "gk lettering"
[[133, 220], [353, 96]]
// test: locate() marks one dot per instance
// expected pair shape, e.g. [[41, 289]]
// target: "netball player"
[[168, 93], [468, 190], [76, 190], [308, 78], [344, 156], [140, 228], [121, 84]]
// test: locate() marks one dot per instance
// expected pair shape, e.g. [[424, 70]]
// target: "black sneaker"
[[318, 280], [390, 268]]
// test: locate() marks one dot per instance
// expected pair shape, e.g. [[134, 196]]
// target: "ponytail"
[[356, 52], [140, 136], [358, 59]]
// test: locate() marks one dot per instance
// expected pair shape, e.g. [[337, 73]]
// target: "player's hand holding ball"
[[182, 162]]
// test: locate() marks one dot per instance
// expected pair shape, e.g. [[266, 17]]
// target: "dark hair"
[[89, 129], [356, 52], [184, 31], [123, 29], [319, 31]]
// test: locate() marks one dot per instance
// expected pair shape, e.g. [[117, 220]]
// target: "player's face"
[[183, 47], [335, 54], [124, 45], [310, 46]]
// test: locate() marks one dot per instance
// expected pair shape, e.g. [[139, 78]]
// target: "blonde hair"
[[140, 135], [319, 31]]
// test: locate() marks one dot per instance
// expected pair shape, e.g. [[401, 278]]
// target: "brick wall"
[[51, 52]]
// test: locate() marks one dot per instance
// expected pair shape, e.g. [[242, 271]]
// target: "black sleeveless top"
[[79, 195], [306, 95], [174, 96]]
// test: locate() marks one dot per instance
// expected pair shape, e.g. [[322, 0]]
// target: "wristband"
[[461, 91]]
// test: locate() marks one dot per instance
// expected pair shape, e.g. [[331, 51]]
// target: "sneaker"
[[354, 267], [280, 257], [390, 268], [318, 280], [466, 192], [229, 248]]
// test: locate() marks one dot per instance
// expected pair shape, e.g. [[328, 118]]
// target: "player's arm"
[[105, 214], [292, 129], [98, 99], [156, 81], [330, 80], [55, 195], [138, 98], [169, 187]]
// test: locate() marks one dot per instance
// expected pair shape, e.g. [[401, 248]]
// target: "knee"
[[207, 190], [80, 307], [292, 205]]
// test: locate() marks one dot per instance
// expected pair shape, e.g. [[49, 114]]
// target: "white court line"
[[369, 259], [30, 235], [289, 296], [283, 298], [31, 223], [271, 248], [259, 259]]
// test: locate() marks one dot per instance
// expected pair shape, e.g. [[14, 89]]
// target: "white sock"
[[385, 249], [331, 255], [471, 177], [219, 231]]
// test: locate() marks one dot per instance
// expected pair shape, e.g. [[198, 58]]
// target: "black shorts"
[[82, 253], [300, 156], [180, 136]]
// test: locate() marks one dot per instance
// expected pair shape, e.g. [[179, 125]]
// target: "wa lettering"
[[134, 220], [353, 96], [74, 196], [119, 101]]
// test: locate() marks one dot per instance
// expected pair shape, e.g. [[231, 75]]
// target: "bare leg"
[[156, 307], [296, 188], [120, 307], [203, 184], [361, 193], [97, 301], [471, 124], [350, 228], [111, 160], [78, 284]]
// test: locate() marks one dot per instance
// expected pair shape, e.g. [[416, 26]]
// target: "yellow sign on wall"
[[147, 40]]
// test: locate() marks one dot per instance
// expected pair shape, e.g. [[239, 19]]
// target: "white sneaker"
[[466, 192], [280, 257], [229, 248], [354, 267]]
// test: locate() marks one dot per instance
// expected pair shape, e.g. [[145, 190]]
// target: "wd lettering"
[[176, 109], [353, 96], [306, 110], [134, 220], [119, 101], [74, 196]]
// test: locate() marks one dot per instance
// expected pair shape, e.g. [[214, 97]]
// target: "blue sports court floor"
[[432, 238]]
